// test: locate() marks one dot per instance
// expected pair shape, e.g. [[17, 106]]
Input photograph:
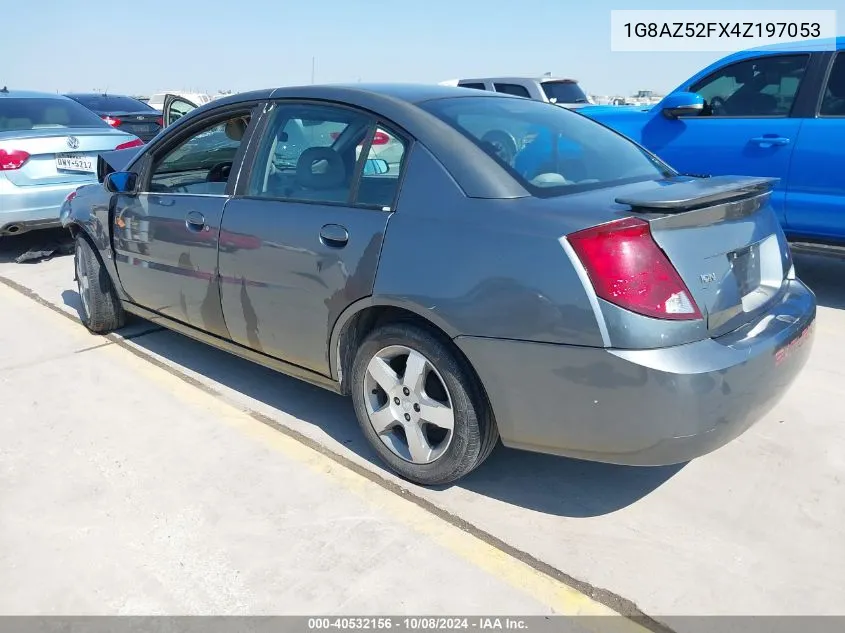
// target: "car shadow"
[[51, 242], [543, 483], [825, 275]]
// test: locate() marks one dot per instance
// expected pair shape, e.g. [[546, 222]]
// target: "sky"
[[158, 45]]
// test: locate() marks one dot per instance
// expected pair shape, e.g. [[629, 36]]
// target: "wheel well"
[[365, 321]]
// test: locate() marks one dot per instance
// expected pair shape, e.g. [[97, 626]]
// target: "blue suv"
[[774, 111]]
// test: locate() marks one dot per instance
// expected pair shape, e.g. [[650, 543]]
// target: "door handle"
[[194, 221], [334, 235], [768, 140]]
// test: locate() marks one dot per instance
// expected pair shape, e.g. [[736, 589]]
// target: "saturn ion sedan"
[[590, 302], [48, 147]]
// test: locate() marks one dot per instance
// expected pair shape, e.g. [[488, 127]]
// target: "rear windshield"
[[111, 103], [564, 92], [32, 114], [550, 150]]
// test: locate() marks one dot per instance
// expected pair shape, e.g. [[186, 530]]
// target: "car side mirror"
[[121, 182], [376, 167], [680, 104]]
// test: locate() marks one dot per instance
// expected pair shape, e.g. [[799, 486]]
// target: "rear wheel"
[[420, 406], [101, 308]]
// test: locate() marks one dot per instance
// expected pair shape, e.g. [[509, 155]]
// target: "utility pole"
[[313, 66]]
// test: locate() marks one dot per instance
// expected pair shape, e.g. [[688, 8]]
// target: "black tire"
[[101, 309], [474, 435]]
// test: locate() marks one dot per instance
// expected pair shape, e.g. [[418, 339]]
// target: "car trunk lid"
[[724, 240], [59, 157]]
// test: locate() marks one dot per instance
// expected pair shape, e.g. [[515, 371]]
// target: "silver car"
[[48, 147]]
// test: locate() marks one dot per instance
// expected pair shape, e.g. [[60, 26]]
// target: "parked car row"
[[580, 297], [49, 146]]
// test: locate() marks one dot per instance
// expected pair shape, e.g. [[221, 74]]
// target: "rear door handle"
[[334, 235], [195, 221], [768, 140]]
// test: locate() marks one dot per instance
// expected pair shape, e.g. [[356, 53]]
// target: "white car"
[[196, 98]]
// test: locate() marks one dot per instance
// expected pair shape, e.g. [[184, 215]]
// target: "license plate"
[[140, 127], [76, 162]]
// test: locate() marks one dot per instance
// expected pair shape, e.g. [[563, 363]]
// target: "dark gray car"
[[579, 298]]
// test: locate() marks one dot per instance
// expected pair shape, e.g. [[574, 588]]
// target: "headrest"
[[320, 168], [236, 128]]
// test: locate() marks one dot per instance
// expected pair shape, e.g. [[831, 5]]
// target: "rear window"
[[111, 103], [564, 92], [32, 114], [550, 150]]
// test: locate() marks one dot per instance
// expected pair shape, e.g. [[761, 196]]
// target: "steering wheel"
[[717, 106], [219, 173], [501, 144]]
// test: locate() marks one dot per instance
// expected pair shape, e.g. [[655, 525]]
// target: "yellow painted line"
[[559, 597]]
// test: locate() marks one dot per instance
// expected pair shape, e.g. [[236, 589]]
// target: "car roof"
[[804, 46], [102, 95], [29, 94], [517, 79]]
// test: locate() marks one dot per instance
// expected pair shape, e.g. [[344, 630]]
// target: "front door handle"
[[334, 235], [195, 221], [769, 140]]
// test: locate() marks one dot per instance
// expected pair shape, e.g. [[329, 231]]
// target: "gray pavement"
[[755, 528]]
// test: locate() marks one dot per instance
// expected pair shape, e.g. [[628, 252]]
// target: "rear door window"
[[475, 86], [513, 89], [833, 98], [20, 114]]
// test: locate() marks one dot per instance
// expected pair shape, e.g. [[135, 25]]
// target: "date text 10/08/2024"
[[417, 623]]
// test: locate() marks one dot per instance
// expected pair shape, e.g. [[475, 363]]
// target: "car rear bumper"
[[644, 407], [26, 208]]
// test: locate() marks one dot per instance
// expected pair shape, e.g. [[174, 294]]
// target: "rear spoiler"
[[686, 195], [115, 160]]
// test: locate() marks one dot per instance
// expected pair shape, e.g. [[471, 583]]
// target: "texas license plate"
[[76, 162]]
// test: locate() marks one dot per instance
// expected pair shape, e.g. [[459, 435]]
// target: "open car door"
[[175, 107]]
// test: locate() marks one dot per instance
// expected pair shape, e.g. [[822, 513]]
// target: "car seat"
[[321, 175]]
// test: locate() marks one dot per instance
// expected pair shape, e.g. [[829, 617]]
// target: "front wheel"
[[101, 310], [420, 406]]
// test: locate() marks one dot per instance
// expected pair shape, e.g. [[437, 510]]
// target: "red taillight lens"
[[133, 143], [12, 159], [628, 268], [380, 138], [160, 121], [112, 120]]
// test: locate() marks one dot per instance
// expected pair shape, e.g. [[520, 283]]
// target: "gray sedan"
[[578, 297]]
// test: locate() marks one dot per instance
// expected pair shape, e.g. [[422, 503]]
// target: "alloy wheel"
[[408, 404]]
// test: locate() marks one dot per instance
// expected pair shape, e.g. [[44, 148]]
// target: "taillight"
[[160, 121], [628, 268], [12, 159], [112, 120], [380, 138], [70, 196], [133, 143]]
